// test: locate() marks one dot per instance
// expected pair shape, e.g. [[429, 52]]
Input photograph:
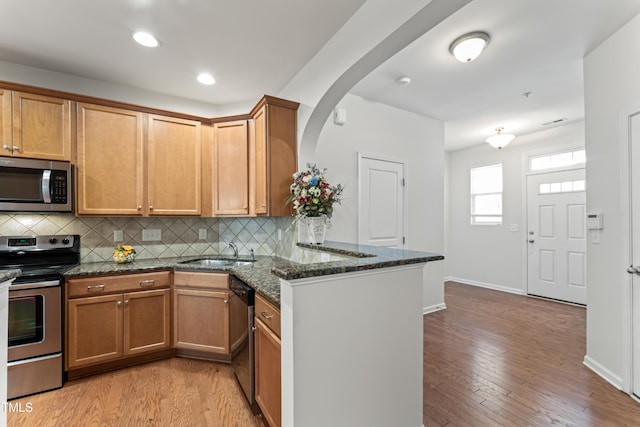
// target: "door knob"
[[531, 240], [633, 270]]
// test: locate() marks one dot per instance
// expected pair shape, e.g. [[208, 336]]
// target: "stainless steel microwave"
[[28, 185]]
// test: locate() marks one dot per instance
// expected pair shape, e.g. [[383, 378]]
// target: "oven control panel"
[[30, 243]]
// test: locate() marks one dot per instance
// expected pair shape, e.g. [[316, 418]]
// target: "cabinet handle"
[[126, 302], [263, 206], [95, 288], [6, 147], [151, 207], [119, 303], [16, 148], [139, 208], [265, 315], [147, 283], [226, 301]]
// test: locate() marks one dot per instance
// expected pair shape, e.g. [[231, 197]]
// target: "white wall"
[[380, 129], [492, 256], [612, 87]]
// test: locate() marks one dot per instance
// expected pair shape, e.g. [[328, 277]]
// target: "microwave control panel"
[[58, 186]]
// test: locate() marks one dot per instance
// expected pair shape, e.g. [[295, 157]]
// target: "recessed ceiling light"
[[145, 39], [206, 79]]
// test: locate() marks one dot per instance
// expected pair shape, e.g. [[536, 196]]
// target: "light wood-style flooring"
[[491, 359], [497, 359]]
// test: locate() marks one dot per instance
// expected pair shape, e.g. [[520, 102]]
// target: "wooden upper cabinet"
[[110, 161], [273, 156], [174, 163], [5, 122], [231, 168], [41, 127]]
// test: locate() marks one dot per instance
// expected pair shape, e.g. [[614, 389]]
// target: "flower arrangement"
[[124, 253], [311, 194]]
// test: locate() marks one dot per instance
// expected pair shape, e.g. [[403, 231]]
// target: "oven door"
[[35, 322]]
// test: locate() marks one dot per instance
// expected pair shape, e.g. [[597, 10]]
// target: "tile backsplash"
[[179, 235]]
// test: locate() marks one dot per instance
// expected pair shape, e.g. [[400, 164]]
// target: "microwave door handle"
[[46, 186]]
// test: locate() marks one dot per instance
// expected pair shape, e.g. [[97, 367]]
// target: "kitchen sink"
[[218, 262]]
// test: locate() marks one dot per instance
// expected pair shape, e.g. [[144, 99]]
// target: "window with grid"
[[486, 195]]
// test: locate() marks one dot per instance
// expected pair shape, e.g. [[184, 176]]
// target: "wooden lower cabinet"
[[118, 325], [267, 369], [202, 309]]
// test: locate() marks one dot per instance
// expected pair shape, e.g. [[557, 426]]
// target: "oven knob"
[[65, 241], [53, 240]]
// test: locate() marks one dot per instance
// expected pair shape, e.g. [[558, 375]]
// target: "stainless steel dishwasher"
[[242, 361]]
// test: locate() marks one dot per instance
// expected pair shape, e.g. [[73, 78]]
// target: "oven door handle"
[[33, 359], [34, 285]]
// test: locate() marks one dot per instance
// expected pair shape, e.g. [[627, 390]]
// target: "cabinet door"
[[231, 168], [173, 166], [5, 122], [147, 321], [259, 162], [268, 373], [41, 126], [201, 320], [94, 330], [110, 161]]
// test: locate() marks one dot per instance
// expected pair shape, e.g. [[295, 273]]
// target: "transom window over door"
[[486, 195]]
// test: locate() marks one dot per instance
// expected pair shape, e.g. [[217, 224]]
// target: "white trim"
[[555, 150], [405, 192], [433, 308], [603, 372], [486, 285]]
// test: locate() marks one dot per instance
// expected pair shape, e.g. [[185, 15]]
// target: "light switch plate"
[[151, 235], [118, 236], [514, 227]]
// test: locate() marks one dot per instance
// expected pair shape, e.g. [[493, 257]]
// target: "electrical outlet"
[[279, 233], [118, 236], [151, 235], [514, 227], [202, 234]]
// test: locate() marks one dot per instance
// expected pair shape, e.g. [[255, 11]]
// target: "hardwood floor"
[[497, 359], [170, 392], [491, 359]]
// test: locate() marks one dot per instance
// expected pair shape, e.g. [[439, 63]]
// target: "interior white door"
[[634, 171], [381, 202], [556, 236]]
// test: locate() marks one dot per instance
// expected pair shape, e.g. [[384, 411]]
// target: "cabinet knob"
[[126, 302], [263, 206], [139, 207], [151, 207], [16, 148], [119, 303], [6, 147], [226, 301]]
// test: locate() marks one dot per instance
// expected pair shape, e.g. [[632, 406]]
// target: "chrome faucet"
[[234, 247], [253, 255]]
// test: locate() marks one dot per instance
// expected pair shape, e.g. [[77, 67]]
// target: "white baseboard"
[[603, 372], [433, 308], [485, 285]]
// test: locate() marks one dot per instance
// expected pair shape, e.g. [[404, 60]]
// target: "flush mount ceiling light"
[[500, 140], [469, 46], [206, 79], [404, 80], [145, 39]]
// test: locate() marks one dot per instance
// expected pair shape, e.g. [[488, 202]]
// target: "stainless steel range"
[[35, 309]]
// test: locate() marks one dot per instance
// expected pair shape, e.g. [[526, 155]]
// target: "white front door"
[[381, 202], [556, 236]]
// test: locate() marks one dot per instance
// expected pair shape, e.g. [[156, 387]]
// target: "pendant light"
[[500, 140]]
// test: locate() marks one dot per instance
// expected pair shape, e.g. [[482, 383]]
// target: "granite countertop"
[[264, 274], [6, 275], [358, 258]]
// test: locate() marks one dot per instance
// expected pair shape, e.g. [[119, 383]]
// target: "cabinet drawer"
[[268, 314], [99, 285], [201, 280]]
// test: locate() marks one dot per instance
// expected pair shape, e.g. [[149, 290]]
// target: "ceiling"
[[256, 47]]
